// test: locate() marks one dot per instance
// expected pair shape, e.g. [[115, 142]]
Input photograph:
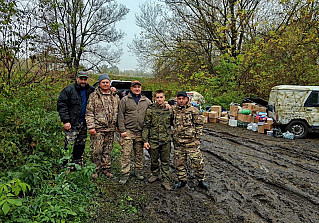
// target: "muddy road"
[[253, 178]]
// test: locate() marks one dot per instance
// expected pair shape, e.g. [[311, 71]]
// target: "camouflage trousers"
[[192, 151], [133, 142], [75, 138], [160, 155], [101, 145]]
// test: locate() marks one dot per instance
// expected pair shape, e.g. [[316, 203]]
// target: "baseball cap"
[[182, 93], [83, 74], [135, 83]]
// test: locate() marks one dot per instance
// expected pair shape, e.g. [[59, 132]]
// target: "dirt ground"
[[253, 178]]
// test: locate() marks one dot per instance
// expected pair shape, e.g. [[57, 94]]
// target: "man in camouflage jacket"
[[157, 138], [101, 119], [188, 127]]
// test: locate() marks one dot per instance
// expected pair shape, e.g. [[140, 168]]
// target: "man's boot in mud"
[[180, 184], [124, 179], [107, 172], [139, 176], [167, 185], [153, 178], [203, 184]]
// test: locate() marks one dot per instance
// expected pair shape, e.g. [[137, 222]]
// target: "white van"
[[296, 108]]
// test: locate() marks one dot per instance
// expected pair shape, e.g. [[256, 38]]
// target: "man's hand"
[[113, 89], [198, 142], [67, 126], [92, 131], [147, 145], [168, 106], [124, 134]]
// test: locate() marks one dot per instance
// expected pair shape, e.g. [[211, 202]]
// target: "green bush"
[[31, 150]]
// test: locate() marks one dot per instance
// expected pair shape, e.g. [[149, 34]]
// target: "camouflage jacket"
[[102, 111], [157, 124], [188, 124]]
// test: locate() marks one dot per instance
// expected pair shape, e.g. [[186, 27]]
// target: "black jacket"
[[69, 103]]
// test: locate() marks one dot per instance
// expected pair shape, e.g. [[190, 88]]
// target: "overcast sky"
[[128, 61]]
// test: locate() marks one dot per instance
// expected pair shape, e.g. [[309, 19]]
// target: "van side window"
[[313, 99]]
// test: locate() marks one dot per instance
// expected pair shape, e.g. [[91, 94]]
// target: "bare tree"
[[81, 31], [17, 44]]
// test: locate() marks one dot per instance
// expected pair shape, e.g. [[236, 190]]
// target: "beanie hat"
[[103, 77]]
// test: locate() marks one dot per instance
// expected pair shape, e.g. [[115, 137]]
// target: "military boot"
[[124, 179], [95, 175], [167, 185], [180, 184], [139, 176], [153, 178], [107, 172], [203, 184]]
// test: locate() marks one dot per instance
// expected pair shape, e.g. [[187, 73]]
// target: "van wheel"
[[298, 128]]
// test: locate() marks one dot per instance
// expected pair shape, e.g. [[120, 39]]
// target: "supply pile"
[[250, 115]]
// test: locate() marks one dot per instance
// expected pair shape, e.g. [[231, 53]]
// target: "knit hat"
[[103, 77], [182, 93]]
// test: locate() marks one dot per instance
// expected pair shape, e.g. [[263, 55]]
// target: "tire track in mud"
[[270, 149], [262, 181]]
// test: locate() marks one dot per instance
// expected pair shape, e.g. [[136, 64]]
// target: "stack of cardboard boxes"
[[255, 110], [216, 115]]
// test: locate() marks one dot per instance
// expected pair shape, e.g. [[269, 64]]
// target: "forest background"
[[224, 49]]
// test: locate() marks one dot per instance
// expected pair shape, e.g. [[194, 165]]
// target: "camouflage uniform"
[[101, 115], [157, 132], [188, 127], [133, 142]]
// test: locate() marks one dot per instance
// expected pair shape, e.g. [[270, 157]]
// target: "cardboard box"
[[205, 114], [244, 118], [213, 114], [261, 129], [213, 120], [255, 109], [205, 119], [217, 109], [223, 120], [233, 111], [268, 126], [224, 114], [270, 121], [262, 109], [248, 106]]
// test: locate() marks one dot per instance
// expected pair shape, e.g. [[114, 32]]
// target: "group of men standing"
[[141, 123]]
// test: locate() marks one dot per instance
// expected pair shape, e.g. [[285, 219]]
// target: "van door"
[[312, 109]]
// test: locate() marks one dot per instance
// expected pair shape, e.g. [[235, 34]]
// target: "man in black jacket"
[[71, 107]]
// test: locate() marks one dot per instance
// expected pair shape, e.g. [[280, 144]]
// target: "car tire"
[[298, 128]]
